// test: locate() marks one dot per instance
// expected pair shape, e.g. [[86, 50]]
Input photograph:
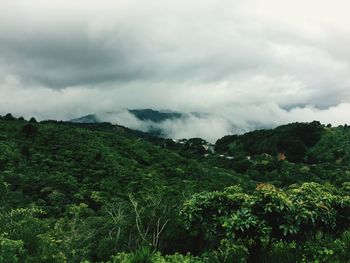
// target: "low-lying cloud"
[[229, 120]]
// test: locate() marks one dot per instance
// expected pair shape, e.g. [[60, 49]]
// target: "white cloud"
[[242, 62]]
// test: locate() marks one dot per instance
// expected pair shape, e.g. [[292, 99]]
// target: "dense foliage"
[[291, 140], [103, 193]]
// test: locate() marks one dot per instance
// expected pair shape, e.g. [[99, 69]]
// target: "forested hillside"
[[104, 193]]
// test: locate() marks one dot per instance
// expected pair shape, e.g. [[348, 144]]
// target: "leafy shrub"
[[11, 250]]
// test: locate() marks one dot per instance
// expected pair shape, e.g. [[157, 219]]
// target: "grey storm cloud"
[[246, 64]]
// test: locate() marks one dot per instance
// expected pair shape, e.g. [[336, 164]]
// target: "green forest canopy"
[[104, 193]]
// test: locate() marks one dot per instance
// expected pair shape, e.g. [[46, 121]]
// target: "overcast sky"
[[245, 63]]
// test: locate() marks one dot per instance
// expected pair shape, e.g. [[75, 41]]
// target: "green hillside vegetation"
[[293, 140], [104, 193], [324, 157]]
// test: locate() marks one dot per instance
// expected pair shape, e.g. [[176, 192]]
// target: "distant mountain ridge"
[[91, 118], [148, 119], [155, 116]]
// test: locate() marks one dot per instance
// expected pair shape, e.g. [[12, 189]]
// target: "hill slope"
[[74, 192], [56, 167]]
